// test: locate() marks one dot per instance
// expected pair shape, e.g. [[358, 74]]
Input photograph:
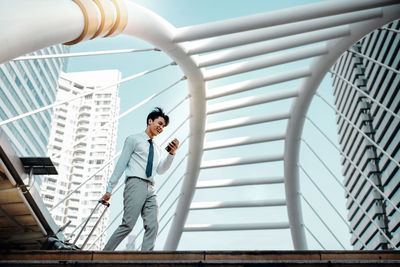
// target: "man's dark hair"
[[157, 112]]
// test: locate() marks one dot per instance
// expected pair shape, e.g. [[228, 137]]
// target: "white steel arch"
[[332, 25], [308, 86]]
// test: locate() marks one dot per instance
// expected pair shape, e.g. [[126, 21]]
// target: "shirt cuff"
[[109, 189]]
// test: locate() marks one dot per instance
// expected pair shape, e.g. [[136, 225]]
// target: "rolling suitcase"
[[53, 243], [106, 204]]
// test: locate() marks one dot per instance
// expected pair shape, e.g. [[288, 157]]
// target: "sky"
[[182, 13]]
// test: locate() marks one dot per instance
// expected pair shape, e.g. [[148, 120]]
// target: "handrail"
[[168, 209], [109, 225], [176, 129], [389, 29], [347, 191], [366, 95], [375, 61], [332, 206], [120, 116], [364, 176], [313, 236], [165, 181], [178, 104], [83, 221], [323, 222], [172, 172], [88, 179], [27, 114], [358, 130], [107, 52]]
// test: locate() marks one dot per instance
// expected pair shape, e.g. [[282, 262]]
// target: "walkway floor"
[[200, 258]]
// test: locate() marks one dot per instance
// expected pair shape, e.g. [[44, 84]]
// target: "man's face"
[[157, 126]]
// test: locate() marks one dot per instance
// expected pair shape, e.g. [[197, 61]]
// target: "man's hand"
[[173, 146], [106, 196]]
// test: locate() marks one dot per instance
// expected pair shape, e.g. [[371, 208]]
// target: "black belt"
[[137, 177]]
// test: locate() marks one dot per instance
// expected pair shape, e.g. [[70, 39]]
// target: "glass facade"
[[366, 89], [26, 86]]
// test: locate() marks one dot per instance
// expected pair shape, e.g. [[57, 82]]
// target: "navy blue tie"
[[149, 166]]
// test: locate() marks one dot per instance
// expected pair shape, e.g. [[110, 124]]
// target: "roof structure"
[[318, 32], [25, 222]]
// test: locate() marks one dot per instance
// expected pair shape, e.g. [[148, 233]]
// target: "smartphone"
[[168, 148]]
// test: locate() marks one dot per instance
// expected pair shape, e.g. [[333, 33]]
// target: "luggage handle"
[[101, 201], [104, 202]]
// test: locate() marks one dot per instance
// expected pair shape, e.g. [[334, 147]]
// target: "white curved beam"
[[272, 46], [279, 17], [240, 141], [239, 182], [68, 23], [308, 86], [236, 227], [19, 37], [150, 27], [243, 86], [244, 121], [237, 204], [252, 100], [269, 33], [265, 62], [240, 161]]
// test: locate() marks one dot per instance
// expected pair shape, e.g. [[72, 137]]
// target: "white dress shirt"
[[133, 160]]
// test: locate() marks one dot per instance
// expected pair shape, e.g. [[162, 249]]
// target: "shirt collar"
[[145, 136]]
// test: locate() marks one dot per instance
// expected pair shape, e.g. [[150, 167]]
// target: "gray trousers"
[[139, 198]]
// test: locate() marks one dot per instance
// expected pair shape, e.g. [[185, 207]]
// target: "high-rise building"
[[83, 138], [26, 86], [371, 65]]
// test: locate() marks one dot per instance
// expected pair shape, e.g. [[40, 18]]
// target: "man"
[[140, 159]]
